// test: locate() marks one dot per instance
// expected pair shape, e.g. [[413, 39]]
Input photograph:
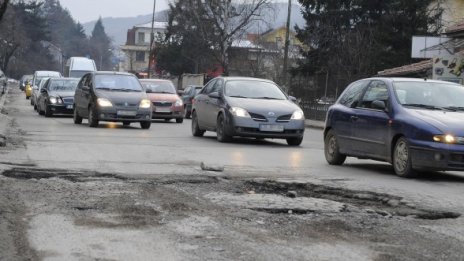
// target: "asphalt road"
[[50, 164]]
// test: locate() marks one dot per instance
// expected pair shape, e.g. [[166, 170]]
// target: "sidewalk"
[[314, 124]]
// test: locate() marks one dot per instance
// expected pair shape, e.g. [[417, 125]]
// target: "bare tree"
[[3, 6]]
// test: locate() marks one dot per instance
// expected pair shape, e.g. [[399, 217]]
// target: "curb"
[[3, 118]]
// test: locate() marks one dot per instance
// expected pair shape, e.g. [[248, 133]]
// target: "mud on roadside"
[[73, 214]]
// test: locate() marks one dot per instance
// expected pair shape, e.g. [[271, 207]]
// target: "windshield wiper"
[[126, 90], [266, 98], [104, 88], [164, 92], [425, 106], [238, 96], [454, 108]]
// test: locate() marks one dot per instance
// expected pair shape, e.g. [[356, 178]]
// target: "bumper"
[[247, 127], [61, 109], [115, 115], [167, 112], [437, 156]]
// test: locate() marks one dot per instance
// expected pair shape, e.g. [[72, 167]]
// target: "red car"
[[167, 104]]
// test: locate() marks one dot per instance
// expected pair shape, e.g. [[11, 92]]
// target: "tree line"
[[41, 35]]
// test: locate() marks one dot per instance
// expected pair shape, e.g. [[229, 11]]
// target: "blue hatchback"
[[412, 123]]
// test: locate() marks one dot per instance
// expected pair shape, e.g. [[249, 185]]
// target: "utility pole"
[[287, 43], [152, 39]]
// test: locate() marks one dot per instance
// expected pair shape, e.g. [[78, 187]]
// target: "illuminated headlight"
[[102, 102], [145, 104], [298, 115], [450, 139], [178, 103], [239, 112], [53, 100]]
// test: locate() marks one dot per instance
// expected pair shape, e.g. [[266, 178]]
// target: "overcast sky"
[[89, 10]]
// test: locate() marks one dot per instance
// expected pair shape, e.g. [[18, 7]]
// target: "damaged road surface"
[[70, 192], [51, 214]]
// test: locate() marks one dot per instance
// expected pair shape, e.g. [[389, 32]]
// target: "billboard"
[[449, 68], [429, 47]]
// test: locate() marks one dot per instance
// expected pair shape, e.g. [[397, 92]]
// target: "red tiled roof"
[[408, 69]]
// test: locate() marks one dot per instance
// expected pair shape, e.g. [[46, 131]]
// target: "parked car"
[[37, 76], [187, 97], [412, 123], [57, 96], [111, 96], [167, 104], [23, 81], [36, 91], [247, 107]]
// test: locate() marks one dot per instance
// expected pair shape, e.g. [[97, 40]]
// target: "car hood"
[[118, 97], [446, 121], [261, 106], [61, 94], [169, 97]]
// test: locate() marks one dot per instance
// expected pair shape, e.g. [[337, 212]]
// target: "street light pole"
[[287, 43], [152, 39]]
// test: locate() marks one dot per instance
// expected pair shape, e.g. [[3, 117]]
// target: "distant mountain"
[[117, 28]]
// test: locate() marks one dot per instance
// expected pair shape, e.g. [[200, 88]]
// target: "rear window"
[[159, 86], [114, 82]]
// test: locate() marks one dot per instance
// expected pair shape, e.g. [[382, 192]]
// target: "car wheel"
[[331, 150], [402, 159], [294, 141], [221, 133], [126, 123], [93, 121], [41, 112], [77, 119], [186, 113], [196, 131], [180, 120], [48, 112], [167, 120], [35, 107], [32, 101], [145, 124], [27, 97]]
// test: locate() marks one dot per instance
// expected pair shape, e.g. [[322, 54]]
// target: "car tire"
[[48, 112], [196, 131], [145, 125], [93, 121], [331, 150], [27, 98], [126, 123], [35, 107], [401, 159], [167, 120], [179, 120], [31, 101], [221, 129], [186, 113], [41, 112], [76, 118], [294, 141]]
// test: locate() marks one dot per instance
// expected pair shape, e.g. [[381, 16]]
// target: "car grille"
[[68, 100], [126, 105], [257, 117], [284, 118], [162, 104]]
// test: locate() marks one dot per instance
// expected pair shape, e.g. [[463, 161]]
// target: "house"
[[137, 47]]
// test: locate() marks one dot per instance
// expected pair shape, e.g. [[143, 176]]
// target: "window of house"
[[140, 56], [141, 38]]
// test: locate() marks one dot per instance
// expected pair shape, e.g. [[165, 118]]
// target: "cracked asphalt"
[[115, 193]]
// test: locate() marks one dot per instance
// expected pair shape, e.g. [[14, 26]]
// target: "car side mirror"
[[180, 92], [291, 98], [214, 95], [379, 105], [43, 91], [148, 90]]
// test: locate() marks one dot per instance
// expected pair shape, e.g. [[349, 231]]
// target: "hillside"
[[117, 28]]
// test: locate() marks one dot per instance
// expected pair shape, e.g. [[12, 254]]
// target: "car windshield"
[[63, 85], [253, 90], [430, 95], [159, 86], [114, 82]]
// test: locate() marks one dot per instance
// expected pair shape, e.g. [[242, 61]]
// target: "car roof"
[[112, 73], [63, 79], [232, 78], [154, 80], [405, 79]]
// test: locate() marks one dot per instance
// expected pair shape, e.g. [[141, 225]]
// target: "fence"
[[314, 111]]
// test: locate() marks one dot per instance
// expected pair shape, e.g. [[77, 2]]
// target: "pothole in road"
[[339, 200], [73, 176]]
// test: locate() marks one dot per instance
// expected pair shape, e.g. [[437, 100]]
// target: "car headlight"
[[178, 103], [145, 104], [239, 112], [53, 100], [447, 138], [102, 102], [298, 115]]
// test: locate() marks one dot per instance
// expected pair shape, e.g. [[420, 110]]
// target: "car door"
[[81, 95], [43, 95], [342, 116], [371, 124], [201, 103], [213, 106], [186, 95]]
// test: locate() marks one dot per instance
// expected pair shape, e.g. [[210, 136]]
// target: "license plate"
[[271, 127], [127, 113], [69, 107], [163, 109]]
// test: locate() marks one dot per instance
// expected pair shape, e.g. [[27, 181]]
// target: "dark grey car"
[[247, 107], [187, 97], [111, 96]]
